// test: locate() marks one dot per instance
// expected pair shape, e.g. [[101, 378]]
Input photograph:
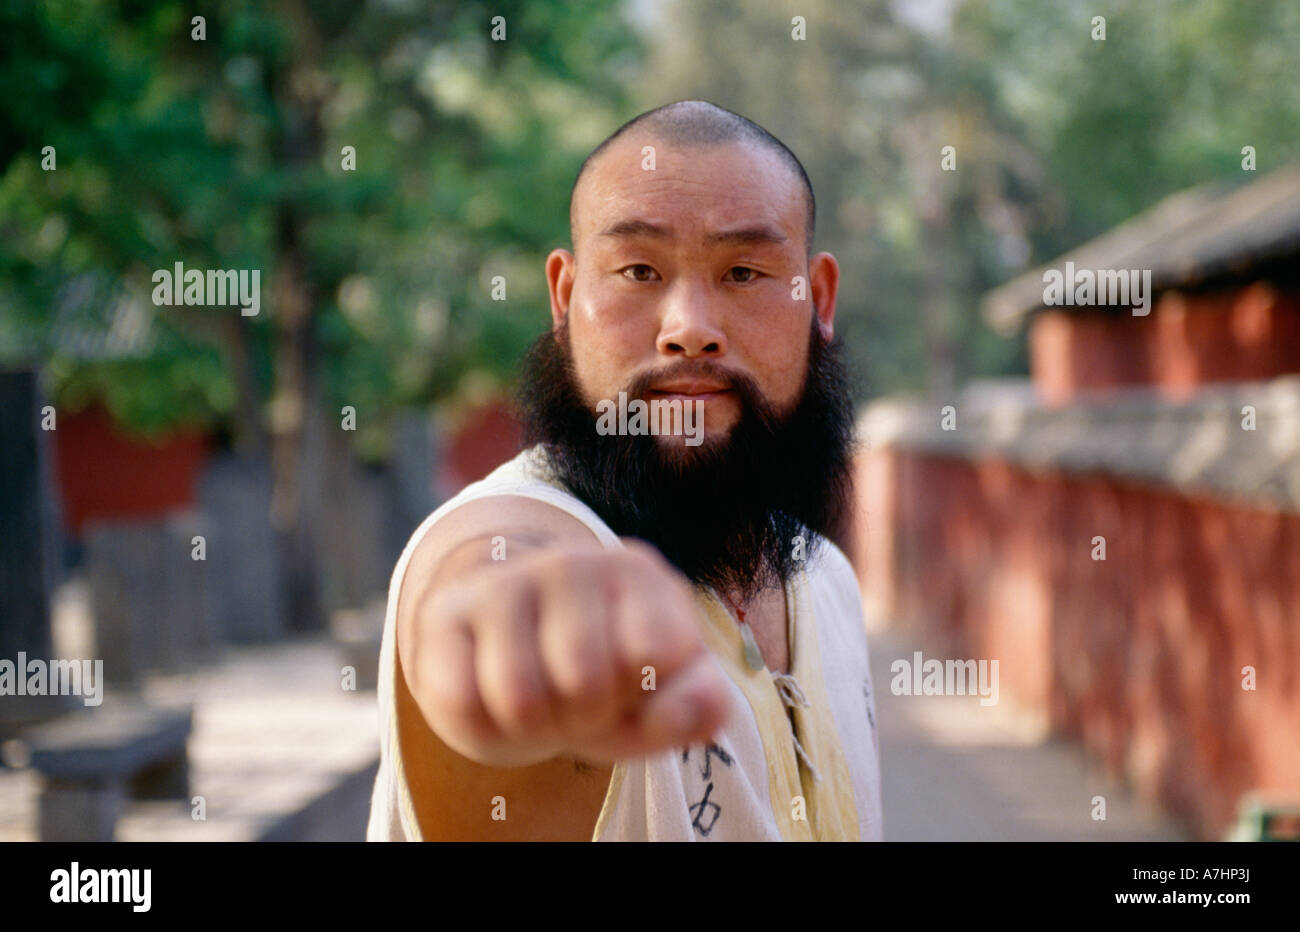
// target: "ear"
[[824, 276], [560, 266]]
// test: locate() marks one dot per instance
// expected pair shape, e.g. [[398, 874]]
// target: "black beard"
[[728, 513]]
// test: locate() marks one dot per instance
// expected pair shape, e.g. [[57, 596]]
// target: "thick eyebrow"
[[747, 236]]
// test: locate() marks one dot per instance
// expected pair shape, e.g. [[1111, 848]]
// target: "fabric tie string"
[[792, 696]]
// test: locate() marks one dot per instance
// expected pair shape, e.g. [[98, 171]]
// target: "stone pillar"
[[24, 537]]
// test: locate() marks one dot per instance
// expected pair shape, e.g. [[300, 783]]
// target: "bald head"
[[698, 123]]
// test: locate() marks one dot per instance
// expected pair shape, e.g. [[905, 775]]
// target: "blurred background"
[[212, 503]]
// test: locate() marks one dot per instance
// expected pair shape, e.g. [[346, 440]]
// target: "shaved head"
[[698, 123], [699, 287]]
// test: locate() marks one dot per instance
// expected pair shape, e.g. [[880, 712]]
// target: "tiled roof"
[[1189, 238]]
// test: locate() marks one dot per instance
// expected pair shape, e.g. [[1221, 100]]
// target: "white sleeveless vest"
[[798, 758]]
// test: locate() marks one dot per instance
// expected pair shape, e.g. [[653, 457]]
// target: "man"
[[633, 634]]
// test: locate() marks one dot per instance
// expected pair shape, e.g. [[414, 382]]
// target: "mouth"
[[690, 391]]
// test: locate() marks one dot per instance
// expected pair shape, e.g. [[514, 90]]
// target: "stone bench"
[[93, 760]]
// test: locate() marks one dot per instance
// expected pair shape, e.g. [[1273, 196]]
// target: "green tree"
[[226, 151], [1166, 101]]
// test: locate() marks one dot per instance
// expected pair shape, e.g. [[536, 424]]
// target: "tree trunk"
[[296, 434], [933, 193]]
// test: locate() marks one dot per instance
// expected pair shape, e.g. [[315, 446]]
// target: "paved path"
[[274, 731], [954, 770]]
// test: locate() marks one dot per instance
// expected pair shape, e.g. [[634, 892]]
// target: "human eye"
[[638, 272], [749, 274]]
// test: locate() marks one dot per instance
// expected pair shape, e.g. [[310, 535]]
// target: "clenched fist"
[[544, 655]]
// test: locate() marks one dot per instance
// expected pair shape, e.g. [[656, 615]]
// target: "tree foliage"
[[173, 149]]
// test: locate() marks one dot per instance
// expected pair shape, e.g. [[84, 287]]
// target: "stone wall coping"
[[1195, 447]]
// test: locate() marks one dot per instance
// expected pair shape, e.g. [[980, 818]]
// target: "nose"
[[691, 325]]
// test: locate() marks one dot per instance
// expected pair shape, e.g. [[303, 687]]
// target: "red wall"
[[104, 474], [482, 438], [1139, 656], [1187, 340]]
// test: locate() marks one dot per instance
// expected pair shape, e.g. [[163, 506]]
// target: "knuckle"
[[446, 696], [499, 595], [676, 640], [566, 557], [674, 653], [642, 558], [576, 666], [454, 696], [458, 714], [590, 691], [641, 549], [580, 670], [556, 571], [523, 706]]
